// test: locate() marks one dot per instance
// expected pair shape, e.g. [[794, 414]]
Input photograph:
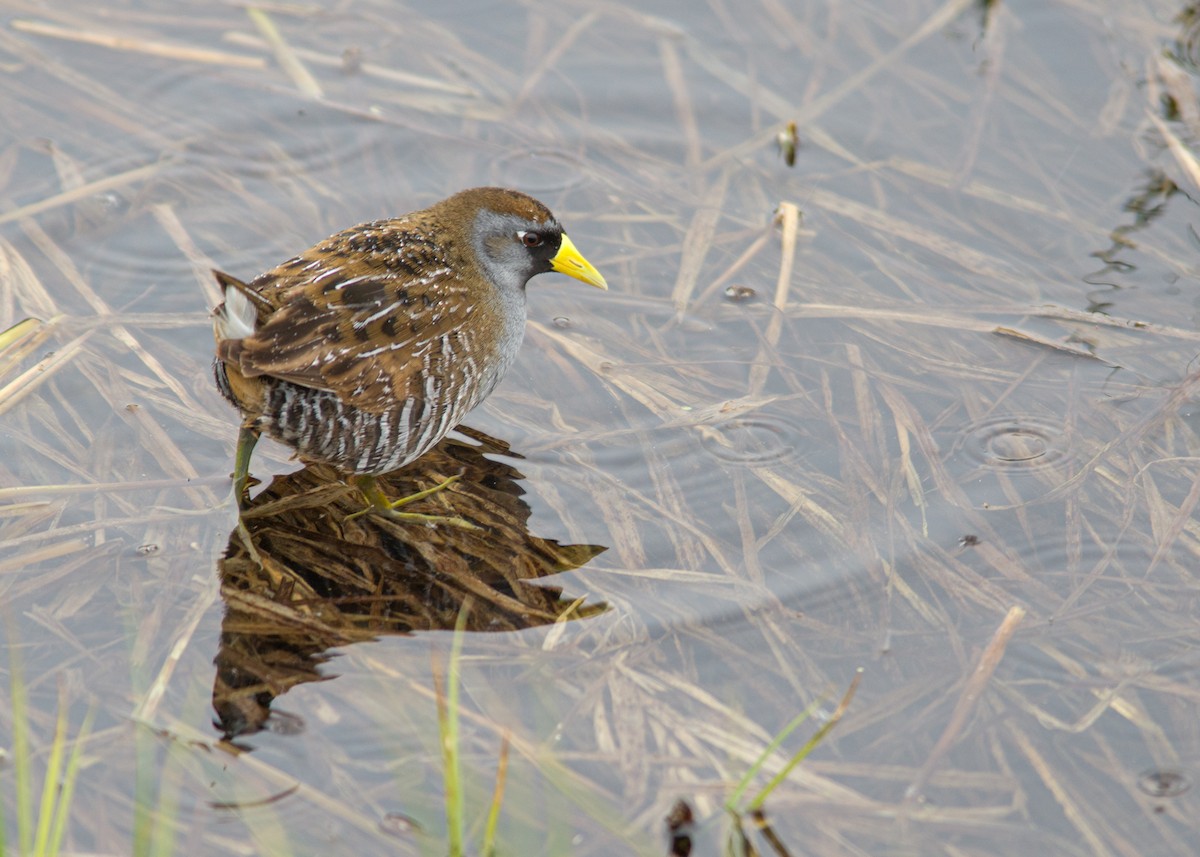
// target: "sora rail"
[[365, 350]]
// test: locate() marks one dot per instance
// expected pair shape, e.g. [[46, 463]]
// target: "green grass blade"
[[21, 760], [59, 828], [743, 784], [809, 746], [448, 729], [46, 808], [489, 831]]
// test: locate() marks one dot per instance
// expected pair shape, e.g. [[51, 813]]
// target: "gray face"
[[512, 249]]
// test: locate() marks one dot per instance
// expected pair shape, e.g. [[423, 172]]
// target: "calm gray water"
[[971, 393]]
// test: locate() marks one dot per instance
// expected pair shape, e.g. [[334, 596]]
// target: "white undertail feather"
[[236, 318]]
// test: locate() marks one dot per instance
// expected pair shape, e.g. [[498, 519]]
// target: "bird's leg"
[[247, 438], [379, 503]]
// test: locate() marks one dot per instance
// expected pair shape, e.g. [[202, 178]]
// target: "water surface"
[[958, 388]]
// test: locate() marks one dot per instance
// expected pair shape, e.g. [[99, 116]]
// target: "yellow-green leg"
[[379, 503], [247, 438]]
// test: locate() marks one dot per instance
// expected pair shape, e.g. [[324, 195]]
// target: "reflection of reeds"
[[305, 573], [1186, 48]]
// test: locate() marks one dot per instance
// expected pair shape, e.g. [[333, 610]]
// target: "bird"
[[365, 350]]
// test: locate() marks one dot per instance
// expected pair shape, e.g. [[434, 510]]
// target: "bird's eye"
[[530, 239]]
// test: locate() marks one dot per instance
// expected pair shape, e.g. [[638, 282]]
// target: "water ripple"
[[752, 441], [1015, 443]]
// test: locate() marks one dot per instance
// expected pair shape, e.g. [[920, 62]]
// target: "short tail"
[[237, 318]]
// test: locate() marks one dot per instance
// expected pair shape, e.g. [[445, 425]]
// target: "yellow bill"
[[570, 261]]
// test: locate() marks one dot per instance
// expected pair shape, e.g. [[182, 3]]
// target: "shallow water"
[[972, 394]]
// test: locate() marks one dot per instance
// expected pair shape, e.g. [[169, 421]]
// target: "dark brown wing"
[[369, 315]]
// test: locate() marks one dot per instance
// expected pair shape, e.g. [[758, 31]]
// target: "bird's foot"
[[404, 501], [379, 504]]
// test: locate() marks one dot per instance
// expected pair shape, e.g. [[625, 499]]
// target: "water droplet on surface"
[[1016, 446], [1164, 783], [398, 824], [110, 202]]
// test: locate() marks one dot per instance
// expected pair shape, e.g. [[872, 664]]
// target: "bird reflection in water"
[[315, 577]]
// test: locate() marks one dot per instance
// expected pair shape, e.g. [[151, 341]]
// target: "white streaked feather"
[[237, 318]]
